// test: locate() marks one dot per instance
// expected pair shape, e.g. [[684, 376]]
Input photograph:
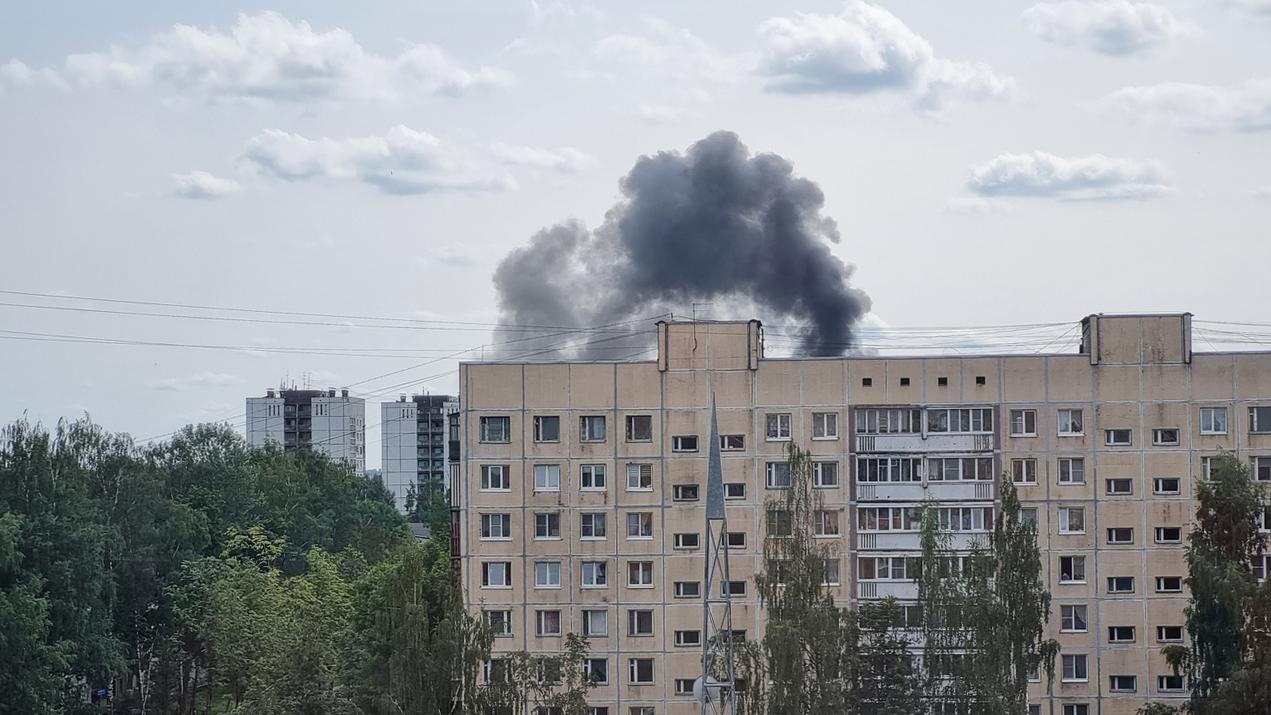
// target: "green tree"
[[887, 678], [522, 682], [1227, 615], [31, 667], [985, 613]]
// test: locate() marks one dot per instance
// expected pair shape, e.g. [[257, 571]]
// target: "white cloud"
[[667, 50], [1112, 27], [1263, 193], [16, 74], [1257, 7], [202, 185], [199, 380], [1043, 175], [268, 57], [867, 49], [565, 159], [1198, 107]]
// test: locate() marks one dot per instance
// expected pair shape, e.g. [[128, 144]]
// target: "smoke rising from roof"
[[714, 224]]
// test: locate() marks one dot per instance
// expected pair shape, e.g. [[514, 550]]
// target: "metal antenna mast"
[[715, 688]]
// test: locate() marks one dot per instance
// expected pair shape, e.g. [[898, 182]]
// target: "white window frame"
[[819, 480], [825, 426], [1159, 435], [504, 477], [1108, 490], [771, 473], [1065, 422], [543, 477], [825, 524], [1020, 423], [1159, 532], [1112, 579], [1159, 482], [1118, 683], [487, 567], [637, 519], [601, 619], [1255, 424], [1160, 582], [731, 487], [548, 526], [1209, 420], [539, 421], [635, 665], [1076, 658], [1072, 615], [683, 639], [642, 569], [593, 521], [639, 476], [594, 574], [1071, 462], [486, 422], [1120, 542], [1027, 471], [1076, 709], [1255, 468], [543, 577], [777, 427], [587, 431], [1073, 577], [1114, 634], [591, 474], [682, 442], [678, 491], [629, 432], [1162, 680], [500, 627], [1066, 514], [1110, 437], [686, 541], [681, 589], [833, 573], [505, 526], [541, 622], [732, 442], [1161, 634], [590, 671]]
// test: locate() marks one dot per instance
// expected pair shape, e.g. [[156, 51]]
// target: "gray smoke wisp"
[[714, 224]]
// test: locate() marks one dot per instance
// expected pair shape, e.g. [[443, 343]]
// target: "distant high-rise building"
[[415, 435], [328, 421]]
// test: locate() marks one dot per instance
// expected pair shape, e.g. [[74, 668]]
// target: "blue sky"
[[987, 163]]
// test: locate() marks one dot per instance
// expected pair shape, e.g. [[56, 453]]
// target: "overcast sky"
[[987, 163]]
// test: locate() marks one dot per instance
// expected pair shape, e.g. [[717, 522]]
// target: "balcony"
[[900, 443], [912, 540], [902, 590], [921, 491]]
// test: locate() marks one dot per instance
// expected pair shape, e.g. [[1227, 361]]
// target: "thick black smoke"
[[712, 225]]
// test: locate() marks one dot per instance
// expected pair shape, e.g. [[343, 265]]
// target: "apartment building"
[[580, 499], [327, 421], [415, 433]]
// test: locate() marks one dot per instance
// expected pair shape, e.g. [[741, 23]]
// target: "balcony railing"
[[904, 590], [981, 490], [924, 443]]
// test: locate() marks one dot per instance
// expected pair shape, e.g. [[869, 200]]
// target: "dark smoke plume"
[[712, 225]]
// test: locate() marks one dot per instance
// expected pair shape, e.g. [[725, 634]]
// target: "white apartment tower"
[[328, 421], [416, 443]]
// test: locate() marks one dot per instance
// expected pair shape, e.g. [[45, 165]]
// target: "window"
[[687, 541], [547, 525], [1169, 584], [882, 420], [1165, 437], [1169, 535], [688, 589], [974, 518], [952, 469], [825, 522], [735, 490], [595, 623], [867, 382], [684, 443], [734, 588], [546, 477], [1078, 709], [1072, 470], [1263, 519], [592, 478], [1213, 420], [639, 622], [1118, 437], [595, 574], [1123, 683], [494, 478], [778, 523], [1169, 683], [1121, 535], [640, 671], [547, 574], [888, 568], [642, 710], [1028, 515], [639, 428], [1121, 634], [500, 623], [1169, 634], [1258, 567], [942, 381], [1119, 487], [1261, 468], [496, 429], [1072, 569], [825, 425], [591, 428], [547, 428], [640, 574], [1073, 619], [496, 526], [1120, 584], [1070, 423], [1074, 669], [1072, 520], [1206, 468], [547, 623], [735, 539], [732, 442], [1023, 423], [777, 426], [778, 475], [596, 670], [963, 420], [592, 525], [684, 686], [889, 469], [825, 475], [1259, 419], [640, 477], [1024, 471], [1165, 485], [496, 574], [904, 382], [495, 670], [640, 525], [686, 639], [685, 492]]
